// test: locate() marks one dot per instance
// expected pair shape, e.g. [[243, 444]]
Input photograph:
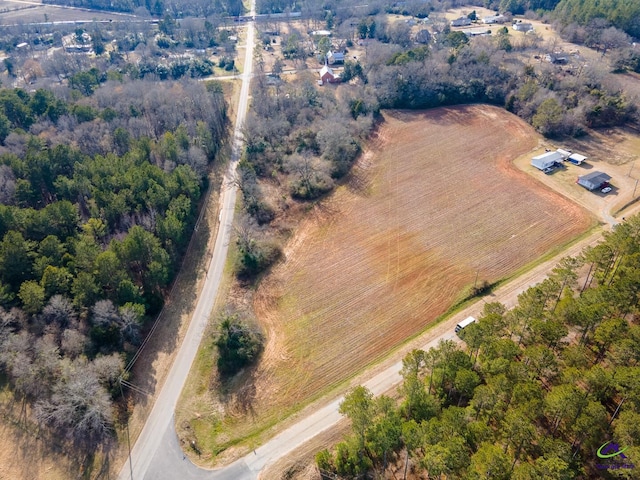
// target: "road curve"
[[150, 444], [157, 454], [169, 463]]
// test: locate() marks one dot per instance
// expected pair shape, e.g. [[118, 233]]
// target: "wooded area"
[[535, 392], [99, 198]]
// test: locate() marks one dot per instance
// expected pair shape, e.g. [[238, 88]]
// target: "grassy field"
[[433, 203]]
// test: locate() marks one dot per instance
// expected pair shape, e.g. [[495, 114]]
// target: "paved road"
[[169, 462], [150, 445], [157, 454]]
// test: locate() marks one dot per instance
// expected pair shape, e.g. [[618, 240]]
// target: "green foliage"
[[256, 257], [624, 14], [238, 345], [32, 296], [548, 117], [413, 55], [456, 39], [86, 82], [540, 402]]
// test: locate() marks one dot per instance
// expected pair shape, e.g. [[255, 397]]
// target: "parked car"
[[606, 190]]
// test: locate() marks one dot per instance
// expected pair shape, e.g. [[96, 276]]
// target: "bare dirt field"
[[433, 202]]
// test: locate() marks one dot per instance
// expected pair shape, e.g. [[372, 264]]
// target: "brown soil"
[[433, 203]]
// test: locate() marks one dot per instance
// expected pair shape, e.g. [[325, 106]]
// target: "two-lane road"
[[150, 444], [157, 455]]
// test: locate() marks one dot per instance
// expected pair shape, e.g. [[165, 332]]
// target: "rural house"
[[593, 180], [327, 76], [461, 22], [335, 57], [546, 160]]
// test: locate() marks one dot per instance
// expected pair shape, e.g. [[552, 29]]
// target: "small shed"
[[523, 27], [576, 158], [327, 75], [593, 180], [546, 160], [565, 153]]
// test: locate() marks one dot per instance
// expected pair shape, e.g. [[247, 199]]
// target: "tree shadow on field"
[[239, 392], [34, 448], [445, 115]]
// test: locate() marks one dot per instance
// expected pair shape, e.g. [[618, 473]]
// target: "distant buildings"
[[335, 57], [594, 180], [547, 160], [77, 43], [494, 19], [557, 58], [523, 27], [477, 32], [461, 22]]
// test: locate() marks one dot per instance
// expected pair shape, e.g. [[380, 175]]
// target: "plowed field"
[[433, 202]]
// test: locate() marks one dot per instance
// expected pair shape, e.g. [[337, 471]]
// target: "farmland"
[[434, 202], [437, 205]]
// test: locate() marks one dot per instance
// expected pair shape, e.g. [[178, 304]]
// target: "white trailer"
[[465, 323]]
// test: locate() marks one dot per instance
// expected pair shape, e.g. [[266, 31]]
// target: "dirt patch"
[[433, 206]]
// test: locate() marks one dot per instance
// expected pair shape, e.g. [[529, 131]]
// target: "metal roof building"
[[593, 180], [546, 160]]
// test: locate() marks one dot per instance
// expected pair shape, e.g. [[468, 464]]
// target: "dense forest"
[[538, 391], [99, 196]]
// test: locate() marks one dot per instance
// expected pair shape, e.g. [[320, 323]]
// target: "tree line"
[[536, 392], [299, 140], [455, 70], [96, 213]]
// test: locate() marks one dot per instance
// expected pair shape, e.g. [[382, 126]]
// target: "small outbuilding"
[[593, 180], [523, 27], [565, 153], [546, 160], [576, 158]]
